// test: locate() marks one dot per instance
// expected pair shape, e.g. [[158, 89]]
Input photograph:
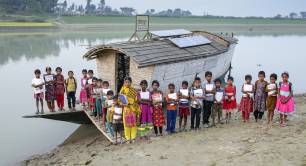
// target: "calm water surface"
[[20, 55]]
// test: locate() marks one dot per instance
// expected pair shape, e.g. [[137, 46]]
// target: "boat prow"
[[78, 117]]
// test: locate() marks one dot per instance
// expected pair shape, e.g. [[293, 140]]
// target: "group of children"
[[269, 96], [140, 110], [55, 87]]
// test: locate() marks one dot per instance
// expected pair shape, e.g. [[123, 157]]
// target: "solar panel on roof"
[[190, 41], [168, 33]]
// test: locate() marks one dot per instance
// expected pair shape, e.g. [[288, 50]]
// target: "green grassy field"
[[175, 20], [25, 24]]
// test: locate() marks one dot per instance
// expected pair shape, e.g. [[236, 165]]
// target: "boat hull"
[[188, 70]]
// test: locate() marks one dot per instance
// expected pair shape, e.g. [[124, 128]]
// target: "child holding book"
[[285, 102], [229, 103], [105, 86], [117, 119], [89, 87], [59, 88], [184, 96], [96, 95], [260, 96], [208, 102], [50, 89], [219, 99], [172, 102], [197, 96], [129, 99], [108, 104], [145, 100], [37, 84], [83, 92], [272, 90], [71, 87], [158, 113], [246, 104]]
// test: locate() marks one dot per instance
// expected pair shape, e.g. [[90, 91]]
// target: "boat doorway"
[[122, 70]]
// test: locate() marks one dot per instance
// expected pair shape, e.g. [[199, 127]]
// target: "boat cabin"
[[169, 56]]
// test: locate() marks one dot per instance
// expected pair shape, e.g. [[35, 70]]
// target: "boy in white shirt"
[[37, 84]]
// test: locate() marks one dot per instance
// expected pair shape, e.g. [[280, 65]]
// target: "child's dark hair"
[[143, 82], [248, 77], [155, 82], [197, 79], [128, 79], [218, 80], [273, 75], [115, 97], [285, 73], [48, 68], [105, 83], [70, 72], [110, 92], [94, 79], [58, 69], [90, 71], [37, 71], [208, 73], [171, 85], [99, 80], [262, 73], [230, 78], [84, 71], [185, 83]]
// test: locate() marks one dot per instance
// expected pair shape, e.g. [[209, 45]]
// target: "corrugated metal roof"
[[158, 51]]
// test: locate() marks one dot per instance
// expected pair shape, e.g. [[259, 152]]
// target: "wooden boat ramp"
[[78, 117]]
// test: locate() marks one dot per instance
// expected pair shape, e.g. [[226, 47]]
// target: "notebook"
[[123, 99], [145, 95]]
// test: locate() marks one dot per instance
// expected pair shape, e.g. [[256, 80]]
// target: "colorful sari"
[[130, 112]]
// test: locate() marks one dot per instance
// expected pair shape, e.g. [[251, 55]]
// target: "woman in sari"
[[131, 109]]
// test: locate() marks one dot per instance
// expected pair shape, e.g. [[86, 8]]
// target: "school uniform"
[[208, 102], [71, 86], [171, 112], [196, 107]]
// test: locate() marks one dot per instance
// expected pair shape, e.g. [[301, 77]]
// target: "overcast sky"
[[213, 7]]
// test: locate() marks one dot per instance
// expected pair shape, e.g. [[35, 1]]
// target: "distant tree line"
[[292, 15], [102, 9], [169, 13], [28, 6], [54, 7]]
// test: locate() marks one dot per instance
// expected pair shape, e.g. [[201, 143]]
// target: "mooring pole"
[[230, 71]]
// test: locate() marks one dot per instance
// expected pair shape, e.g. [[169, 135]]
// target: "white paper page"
[[198, 92], [209, 87], [184, 92], [172, 96], [219, 96], [247, 87], [145, 95]]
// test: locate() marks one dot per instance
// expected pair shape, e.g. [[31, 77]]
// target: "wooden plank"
[[99, 128], [79, 117], [156, 51], [177, 59]]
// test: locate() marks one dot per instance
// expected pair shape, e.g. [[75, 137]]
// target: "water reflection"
[[24, 137], [15, 47]]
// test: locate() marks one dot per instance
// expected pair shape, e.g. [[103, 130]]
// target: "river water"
[[20, 54]]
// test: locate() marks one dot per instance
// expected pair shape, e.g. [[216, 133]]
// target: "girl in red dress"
[[247, 100], [229, 103], [59, 88], [158, 114]]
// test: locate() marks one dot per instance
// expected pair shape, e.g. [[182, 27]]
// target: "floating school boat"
[[169, 56]]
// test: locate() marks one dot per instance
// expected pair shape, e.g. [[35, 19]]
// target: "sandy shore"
[[236, 143]]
